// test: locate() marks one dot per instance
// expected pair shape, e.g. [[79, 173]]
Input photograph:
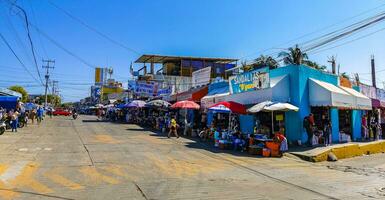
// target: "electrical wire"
[[93, 29], [17, 57], [29, 38], [318, 30]]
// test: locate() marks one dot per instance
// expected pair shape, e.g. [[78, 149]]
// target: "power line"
[[29, 37], [17, 57], [350, 41], [319, 30], [93, 29], [39, 37]]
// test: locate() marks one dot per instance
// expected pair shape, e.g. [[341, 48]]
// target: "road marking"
[[13, 171], [106, 139], [117, 170], [5, 194], [96, 176], [25, 178], [55, 177]]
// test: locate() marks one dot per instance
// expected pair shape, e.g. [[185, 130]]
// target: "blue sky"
[[211, 28]]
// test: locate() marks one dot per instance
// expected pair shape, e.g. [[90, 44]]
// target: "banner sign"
[[146, 89], [248, 81], [164, 91], [99, 72], [201, 77], [368, 91]]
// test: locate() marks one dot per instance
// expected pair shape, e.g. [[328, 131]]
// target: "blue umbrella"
[[29, 106]]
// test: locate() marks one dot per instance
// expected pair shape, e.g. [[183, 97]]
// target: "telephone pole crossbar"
[[49, 64]]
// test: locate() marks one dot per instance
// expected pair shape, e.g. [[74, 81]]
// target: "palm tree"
[[314, 65], [293, 56], [245, 66], [265, 61]]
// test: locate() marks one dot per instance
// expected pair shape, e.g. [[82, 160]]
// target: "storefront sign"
[[201, 77], [146, 89], [279, 117], [248, 81], [368, 91], [164, 91]]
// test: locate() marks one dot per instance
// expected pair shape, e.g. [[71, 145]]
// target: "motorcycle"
[[75, 115]]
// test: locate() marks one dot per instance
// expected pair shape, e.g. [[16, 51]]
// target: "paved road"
[[86, 159]]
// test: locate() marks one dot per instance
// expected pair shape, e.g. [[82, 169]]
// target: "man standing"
[[39, 114], [308, 127]]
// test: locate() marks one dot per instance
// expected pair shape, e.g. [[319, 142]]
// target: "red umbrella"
[[185, 105], [234, 107]]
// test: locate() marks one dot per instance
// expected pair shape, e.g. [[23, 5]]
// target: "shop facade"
[[310, 90]]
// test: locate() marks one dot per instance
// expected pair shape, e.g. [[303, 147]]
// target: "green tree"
[[345, 75], [293, 56], [21, 90], [54, 100], [265, 61]]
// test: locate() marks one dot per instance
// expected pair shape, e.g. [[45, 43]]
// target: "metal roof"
[[162, 59]]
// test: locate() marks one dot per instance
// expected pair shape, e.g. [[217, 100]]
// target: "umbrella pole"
[[272, 122], [229, 126]]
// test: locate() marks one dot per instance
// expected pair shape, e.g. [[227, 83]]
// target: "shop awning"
[[214, 96], [326, 94], [361, 101], [279, 91], [193, 95], [210, 100]]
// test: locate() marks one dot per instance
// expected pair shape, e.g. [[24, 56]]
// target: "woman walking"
[[173, 128]]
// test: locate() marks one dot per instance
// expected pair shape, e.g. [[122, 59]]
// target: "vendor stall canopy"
[[228, 106], [328, 95]]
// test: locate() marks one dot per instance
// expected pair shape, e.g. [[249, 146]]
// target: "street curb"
[[342, 152]]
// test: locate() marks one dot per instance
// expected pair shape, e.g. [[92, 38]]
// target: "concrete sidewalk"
[[342, 151]]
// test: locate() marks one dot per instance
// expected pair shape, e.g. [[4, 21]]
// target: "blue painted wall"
[[247, 123], [335, 125], [299, 96]]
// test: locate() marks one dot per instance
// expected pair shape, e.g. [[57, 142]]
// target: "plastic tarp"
[[326, 94], [8, 102], [361, 101]]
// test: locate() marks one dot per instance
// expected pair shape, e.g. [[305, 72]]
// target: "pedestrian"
[[32, 115], [308, 128], [364, 127], [39, 114], [14, 121], [173, 128], [327, 132]]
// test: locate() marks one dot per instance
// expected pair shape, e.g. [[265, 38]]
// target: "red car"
[[61, 112]]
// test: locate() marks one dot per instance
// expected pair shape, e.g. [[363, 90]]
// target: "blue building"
[[312, 91]]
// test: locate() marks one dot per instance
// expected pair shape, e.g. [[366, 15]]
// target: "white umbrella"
[[281, 107], [268, 106], [259, 107]]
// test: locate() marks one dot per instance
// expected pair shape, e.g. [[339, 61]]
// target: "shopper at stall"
[[173, 128], [308, 128], [327, 131], [364, 127]]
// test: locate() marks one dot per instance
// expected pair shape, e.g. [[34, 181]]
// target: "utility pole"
[[47, 66], [373, 72], [54, 87], [332, 60]]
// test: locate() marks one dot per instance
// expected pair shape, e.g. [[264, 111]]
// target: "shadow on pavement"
[[196, 143], [90, 121]]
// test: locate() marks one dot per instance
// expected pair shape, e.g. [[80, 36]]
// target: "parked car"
[[61, 112]]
